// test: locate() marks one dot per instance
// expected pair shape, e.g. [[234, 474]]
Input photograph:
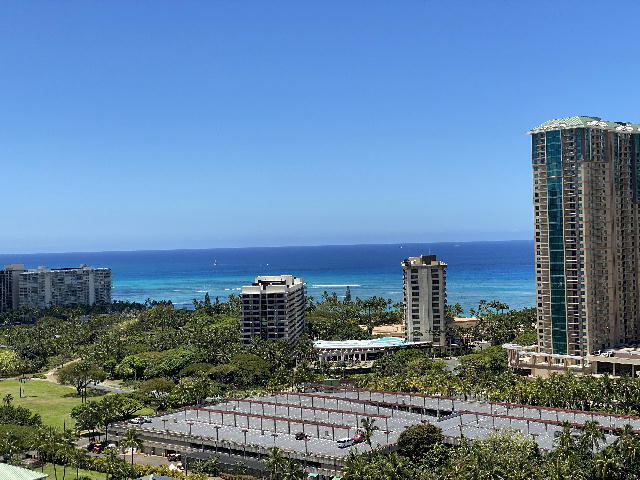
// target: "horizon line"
[[266, 247]]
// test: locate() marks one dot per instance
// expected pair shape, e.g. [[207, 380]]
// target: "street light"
[[274, 435], [244, 446], [217, 427]]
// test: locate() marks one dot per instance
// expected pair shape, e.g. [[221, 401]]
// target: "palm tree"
[[275, 463], [113, 463], [7, 399], [368, 428], [292, 470], [77, 458], [591, 436], [132, 440], [66, 448], [564, 440]]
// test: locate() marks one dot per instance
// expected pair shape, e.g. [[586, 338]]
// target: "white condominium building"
[[273, 307], [45, 287], [424, 299]]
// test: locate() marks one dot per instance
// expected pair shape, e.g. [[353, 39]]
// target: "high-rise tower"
[[425, 299], [273, 307], [586, 191]]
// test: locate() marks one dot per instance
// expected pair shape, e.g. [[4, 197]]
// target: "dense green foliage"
[[16, 415], [579, 454], [336, 319]]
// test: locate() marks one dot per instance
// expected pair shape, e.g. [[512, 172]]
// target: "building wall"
[[586, 193], [10, 287], [424, 282], [274, 308], [43, 288]]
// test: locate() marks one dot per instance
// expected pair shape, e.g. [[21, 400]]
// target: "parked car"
[[358, 438], [301, 436], [346, 443]]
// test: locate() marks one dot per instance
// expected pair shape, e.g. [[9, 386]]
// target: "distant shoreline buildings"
[[44, 287]]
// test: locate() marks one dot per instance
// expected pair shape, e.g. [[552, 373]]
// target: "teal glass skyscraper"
[[586, 191]]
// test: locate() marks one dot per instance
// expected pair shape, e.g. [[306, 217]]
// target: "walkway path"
[[106, 386]]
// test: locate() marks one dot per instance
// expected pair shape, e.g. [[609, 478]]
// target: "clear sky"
[[155, 124]]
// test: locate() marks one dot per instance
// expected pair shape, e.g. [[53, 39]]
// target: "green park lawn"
[[71, 473], [52, 401]]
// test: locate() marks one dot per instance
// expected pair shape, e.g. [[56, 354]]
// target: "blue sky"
[[161, 124]]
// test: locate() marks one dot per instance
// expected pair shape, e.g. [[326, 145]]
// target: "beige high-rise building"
[[273, 307], [586, 189], [425, 299], [44, 287]]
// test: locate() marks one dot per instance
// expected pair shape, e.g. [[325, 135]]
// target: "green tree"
[[210, 467], [80, 374], [132, 440], [416, 441], [275, 462], [368, 428]]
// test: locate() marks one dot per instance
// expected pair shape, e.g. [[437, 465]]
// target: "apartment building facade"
[[273, 307], [44, 287], [425, 299], [10, 287], [586, 191]]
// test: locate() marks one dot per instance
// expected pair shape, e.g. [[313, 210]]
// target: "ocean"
[[501, 271]]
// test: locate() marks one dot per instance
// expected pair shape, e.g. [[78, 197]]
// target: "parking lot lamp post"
[[306, 445], [274, 435], [190, 425], [244, 446]]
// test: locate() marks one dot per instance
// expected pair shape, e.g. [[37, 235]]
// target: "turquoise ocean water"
[[477, 270]]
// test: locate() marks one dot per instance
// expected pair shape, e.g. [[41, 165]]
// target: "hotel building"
[[424, 280], [10, 287], [45, 287], [273, 307], [586, 192]]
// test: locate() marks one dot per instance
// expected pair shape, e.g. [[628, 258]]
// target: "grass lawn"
[[52, 401], [71, 473]]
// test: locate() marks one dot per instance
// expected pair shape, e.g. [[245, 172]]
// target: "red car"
[[358, 438]]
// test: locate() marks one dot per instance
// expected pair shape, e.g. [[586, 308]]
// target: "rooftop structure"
[[585, 122], [347, 344], [424, 285], [308, 425], [273, 307], [11, 472]]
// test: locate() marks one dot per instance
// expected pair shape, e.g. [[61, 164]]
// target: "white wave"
[[335, 286], [202, 291], [236, 289]]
